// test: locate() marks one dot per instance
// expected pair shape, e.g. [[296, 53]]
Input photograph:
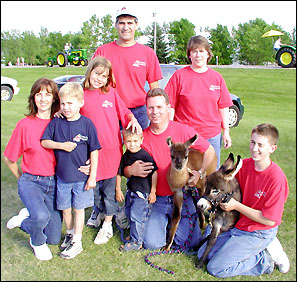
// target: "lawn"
[[268, 96]]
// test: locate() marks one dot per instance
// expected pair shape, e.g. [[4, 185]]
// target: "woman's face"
[[199, 57], [44, 100]]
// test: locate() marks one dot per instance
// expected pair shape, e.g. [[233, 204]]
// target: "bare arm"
[[66, 146], [13, 167], [91, 183], [119, 193], [138, 168], [226, 131], [251, 213], [171, 113], [152, 195]]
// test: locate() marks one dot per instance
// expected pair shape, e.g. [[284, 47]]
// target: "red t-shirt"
[[197, 98], [266, 191], [132, 67], [25, 141], [105, 111], [158, 148]]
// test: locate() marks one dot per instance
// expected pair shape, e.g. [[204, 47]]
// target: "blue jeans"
[[216, 142], [238, 252], [141, 116], [159, 220], [104, 197], [138, 211], [38, 194]]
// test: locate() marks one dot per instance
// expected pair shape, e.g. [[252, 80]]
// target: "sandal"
[[130, 246]]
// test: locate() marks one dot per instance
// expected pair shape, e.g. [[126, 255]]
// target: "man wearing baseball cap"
[[133, 64]]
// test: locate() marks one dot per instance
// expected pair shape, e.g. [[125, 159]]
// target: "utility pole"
[[155, 33]]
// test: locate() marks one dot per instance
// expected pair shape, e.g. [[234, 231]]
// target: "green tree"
[[30, 47], [108, 32], [55, 43], [180, 33], [222, 45], [11, 45], [162, 48]]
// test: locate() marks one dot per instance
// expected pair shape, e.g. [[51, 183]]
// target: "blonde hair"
[[267, 130], [72, 89], [105, 64], [128, 132]]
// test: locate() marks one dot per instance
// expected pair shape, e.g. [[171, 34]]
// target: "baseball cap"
[[124, 11]]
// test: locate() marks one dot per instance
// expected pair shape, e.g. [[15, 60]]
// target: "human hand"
[[91, 184], [152, 198], [59, 114], [193, 179], [230, 205], [227, 139], [141, 169], [119, 195], [135, 126], [85, 169], [68, 146]]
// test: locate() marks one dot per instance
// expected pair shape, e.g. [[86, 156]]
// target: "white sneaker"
[[72, 250], [41, 252], [95, 219], [103, 236], [17, 220], [278, 255]]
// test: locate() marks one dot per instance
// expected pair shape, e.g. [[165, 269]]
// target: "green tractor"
[[77, 57], [286, 56]]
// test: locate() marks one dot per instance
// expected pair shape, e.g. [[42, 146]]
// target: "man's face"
[[157, 110], [260, 148], [126, 27]]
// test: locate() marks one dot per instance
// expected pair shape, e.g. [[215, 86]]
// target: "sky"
[[68, 16]]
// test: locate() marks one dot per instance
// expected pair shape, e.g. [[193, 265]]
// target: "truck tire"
[[286, 58], [62, 60]]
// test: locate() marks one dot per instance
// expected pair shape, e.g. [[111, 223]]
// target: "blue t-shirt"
[[81, 131]]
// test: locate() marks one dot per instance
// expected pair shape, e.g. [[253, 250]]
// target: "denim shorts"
[[73, 194]]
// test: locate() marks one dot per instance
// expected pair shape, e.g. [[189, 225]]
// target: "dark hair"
[[105, 64], [157, 92], [198, 42], [267, 130], [39, 85], [126, 15]]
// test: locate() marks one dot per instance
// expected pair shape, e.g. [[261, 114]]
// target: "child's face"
[[98, 77], [70, 107], [133, 142], [260, 148], [44, 100]]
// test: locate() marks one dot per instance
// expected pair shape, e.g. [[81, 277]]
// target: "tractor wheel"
[[50, 63], [286, 58], [76, 62], [62, 60], [83, 62]]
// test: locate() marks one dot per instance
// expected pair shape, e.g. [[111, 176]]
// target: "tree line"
[[243, 45]]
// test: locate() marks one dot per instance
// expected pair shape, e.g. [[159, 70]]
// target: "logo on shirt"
[[259, 193], [214, 87], [106, 104], [79, 137], [138, 63]]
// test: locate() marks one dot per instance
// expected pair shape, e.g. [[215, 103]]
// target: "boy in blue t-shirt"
[[74, 141]]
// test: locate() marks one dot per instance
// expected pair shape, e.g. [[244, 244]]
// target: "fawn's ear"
[[191, 140], [230, 173], [169, 141]]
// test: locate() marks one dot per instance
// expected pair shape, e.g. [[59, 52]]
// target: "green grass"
[[268, 96]]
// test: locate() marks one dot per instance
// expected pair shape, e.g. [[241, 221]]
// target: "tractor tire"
[[286, 58], [83, 62], [62, 60], [76, 62], [50, 63]]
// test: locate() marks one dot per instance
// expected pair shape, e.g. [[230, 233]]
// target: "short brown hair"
[[39, 85], [198, 42], [157, 92], [267, 130], [105, 64], [128, 132], [73, 89]]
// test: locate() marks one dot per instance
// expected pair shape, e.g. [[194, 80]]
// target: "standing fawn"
[[183, 160]]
